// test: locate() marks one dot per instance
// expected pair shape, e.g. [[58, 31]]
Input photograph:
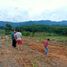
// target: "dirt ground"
[[32, 54]]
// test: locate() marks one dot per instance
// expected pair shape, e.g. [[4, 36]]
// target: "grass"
[[52, 36], [35, 65], [56, 38]]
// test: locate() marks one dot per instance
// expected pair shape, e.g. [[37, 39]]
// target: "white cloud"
[[21, 10]]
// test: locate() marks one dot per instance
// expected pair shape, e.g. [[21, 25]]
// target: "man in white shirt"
[[18, 37]]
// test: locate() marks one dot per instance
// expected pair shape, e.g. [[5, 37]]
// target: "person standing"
[[45, 43], [18, 37], [13, 39]]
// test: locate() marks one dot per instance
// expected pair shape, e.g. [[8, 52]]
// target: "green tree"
[[8, 29]]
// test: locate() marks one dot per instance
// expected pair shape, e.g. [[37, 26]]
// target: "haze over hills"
[[28, 23]]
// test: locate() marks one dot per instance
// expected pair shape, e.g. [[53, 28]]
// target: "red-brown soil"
[[32, 54]]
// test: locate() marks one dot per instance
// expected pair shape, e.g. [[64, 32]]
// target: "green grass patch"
[[56, 38]]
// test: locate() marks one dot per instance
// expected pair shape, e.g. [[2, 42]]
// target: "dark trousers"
[[14, 43]]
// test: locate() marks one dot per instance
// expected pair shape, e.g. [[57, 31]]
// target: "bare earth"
[[32, 54]]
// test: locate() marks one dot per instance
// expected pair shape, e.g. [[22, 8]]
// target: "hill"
[[28, 23]]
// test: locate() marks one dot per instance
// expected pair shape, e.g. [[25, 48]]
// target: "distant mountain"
[[28, 23]]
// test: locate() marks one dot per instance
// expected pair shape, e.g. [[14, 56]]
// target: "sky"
[[26, 10]]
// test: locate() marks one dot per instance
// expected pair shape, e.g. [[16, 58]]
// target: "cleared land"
[[32, 54]]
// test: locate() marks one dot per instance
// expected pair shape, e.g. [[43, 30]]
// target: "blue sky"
[[25, 10]]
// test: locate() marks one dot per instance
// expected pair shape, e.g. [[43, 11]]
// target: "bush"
[[26, 33]]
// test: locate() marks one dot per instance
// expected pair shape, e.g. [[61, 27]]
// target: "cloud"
[[23, 10]]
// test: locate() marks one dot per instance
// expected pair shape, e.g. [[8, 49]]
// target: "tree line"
[[60, 30]]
